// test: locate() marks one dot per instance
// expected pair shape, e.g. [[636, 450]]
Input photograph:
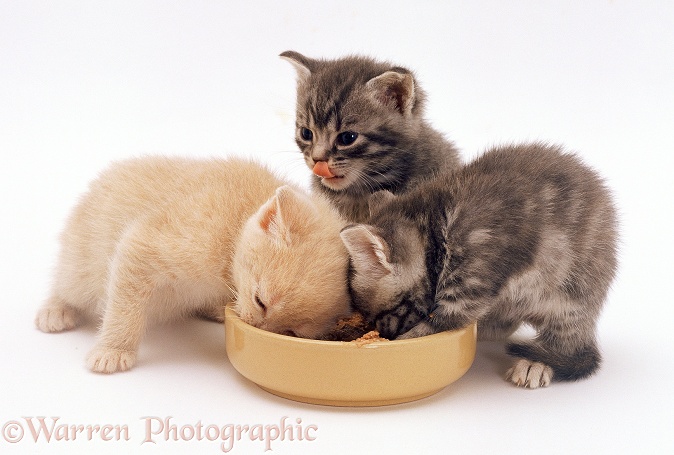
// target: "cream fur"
[[292, 259], [153, 240]]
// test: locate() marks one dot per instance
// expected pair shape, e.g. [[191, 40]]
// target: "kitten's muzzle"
[[322, 169]]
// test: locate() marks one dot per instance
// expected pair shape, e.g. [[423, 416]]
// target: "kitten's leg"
[[56, 315], [566, 347], [449, 314], [124, 321], [119, 337], [487, 329], [495, 329]]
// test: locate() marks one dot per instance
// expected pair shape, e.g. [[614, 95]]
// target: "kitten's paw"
[[103, 360], [420, 330], [56, 319], [528, 374]]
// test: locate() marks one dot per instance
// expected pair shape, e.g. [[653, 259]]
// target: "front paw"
[[105, 360], [51, 319], [530, 375], [420, 330]]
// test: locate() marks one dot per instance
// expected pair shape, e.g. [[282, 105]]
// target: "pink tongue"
[[321, 169]]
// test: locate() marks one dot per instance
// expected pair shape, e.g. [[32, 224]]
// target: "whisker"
[[233, 290]]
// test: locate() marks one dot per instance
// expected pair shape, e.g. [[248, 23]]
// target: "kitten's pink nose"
[[321, 169]]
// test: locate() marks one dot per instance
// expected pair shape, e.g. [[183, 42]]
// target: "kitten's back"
[[547, 192], [526, 197], [162, 194]]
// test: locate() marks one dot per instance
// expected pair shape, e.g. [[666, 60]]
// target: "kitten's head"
[[356, 118], [388, 277], [290, 266]]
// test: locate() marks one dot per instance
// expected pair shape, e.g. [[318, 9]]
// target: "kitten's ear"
[[286, 214], [368, 251], [393, 89], [304, 65]]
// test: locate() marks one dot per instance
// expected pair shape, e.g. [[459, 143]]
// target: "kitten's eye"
[[262, 306], [347, 138], [306, 134]]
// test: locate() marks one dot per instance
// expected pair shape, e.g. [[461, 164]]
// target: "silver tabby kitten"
[[361, 129], [524, 234]]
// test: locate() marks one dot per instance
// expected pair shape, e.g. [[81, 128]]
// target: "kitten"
[[291, 266], [524, 234], [361, 129], [154, 240]]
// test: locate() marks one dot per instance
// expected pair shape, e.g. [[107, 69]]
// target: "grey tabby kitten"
[[361, 129], [524, 234]]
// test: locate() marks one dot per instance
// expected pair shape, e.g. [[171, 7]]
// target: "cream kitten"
[[154, 239]]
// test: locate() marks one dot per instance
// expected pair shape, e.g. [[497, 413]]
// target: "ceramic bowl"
[[342, 373]]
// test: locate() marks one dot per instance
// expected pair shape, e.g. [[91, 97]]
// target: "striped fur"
[[395, 148], [524, 234]]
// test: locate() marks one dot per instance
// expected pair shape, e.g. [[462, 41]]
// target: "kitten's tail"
[[566, 367]]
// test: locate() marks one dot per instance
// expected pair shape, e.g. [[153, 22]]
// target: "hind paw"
[[530, 375], [56, 319], [102, 360]]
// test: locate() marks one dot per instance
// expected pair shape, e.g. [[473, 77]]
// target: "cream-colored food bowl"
[[341, 373]]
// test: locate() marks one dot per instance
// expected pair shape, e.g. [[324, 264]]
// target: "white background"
[[83, 84]]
